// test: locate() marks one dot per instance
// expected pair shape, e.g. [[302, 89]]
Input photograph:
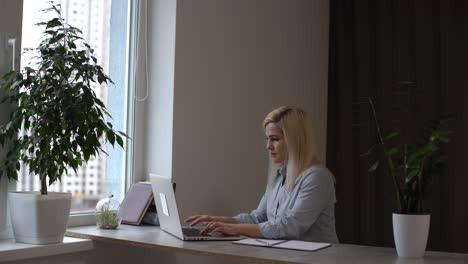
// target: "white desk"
[[154, 237], [10, 250]]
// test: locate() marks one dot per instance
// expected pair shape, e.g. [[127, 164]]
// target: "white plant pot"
[[410, 233], [39, 219]]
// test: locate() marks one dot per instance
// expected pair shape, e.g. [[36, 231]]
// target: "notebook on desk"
[[168, 214], [284, 244], [136, 203]]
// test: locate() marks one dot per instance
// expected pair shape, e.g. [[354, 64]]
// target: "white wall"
[[154, 133]]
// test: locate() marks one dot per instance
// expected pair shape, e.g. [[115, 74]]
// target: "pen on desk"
[[263, 242]]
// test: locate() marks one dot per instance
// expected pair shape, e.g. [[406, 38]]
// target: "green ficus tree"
[[63, 121]]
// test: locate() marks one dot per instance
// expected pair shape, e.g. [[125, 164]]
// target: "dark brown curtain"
[[374, 46]]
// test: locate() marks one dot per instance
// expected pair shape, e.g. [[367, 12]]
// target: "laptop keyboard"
[[192, 232]]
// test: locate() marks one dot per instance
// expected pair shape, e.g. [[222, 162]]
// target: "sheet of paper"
[[259, 242], [302, 245]]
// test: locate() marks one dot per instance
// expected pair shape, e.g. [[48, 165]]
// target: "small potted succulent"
[[107, 213], [58, 124]]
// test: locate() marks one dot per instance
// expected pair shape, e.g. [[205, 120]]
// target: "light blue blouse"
[[306, 213]]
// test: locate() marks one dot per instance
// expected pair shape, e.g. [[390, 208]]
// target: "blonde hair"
[[300, 140]]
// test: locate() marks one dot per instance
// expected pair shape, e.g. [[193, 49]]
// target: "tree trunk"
[[44, 185]]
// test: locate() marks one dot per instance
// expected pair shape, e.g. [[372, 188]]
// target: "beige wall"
[[235, 61], [11, 14]]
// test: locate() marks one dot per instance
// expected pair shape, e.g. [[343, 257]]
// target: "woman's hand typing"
[[225, 228], [197, 219]]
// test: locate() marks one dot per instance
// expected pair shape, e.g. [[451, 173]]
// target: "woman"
[[300, 203]]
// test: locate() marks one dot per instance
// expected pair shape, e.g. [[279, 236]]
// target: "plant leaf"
[[369, 151], [119, 140], [392, 151], [374, 166], [391, 135]]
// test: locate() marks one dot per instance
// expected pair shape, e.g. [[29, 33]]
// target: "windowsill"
[[10, 250], [81, 219]]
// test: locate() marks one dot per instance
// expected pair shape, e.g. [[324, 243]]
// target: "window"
[[103, 31]]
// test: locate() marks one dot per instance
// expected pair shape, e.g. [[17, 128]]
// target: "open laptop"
[[168, 214]]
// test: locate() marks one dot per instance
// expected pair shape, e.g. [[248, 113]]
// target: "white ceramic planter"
[[410, 233], [39, 219]]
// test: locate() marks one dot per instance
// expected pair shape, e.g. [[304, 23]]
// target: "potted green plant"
[[107, 213], [411, 167], [64, 125]]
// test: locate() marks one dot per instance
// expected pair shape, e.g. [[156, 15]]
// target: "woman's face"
[[276, 144]]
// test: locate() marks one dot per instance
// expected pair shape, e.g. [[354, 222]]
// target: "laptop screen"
[[164, 197]]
